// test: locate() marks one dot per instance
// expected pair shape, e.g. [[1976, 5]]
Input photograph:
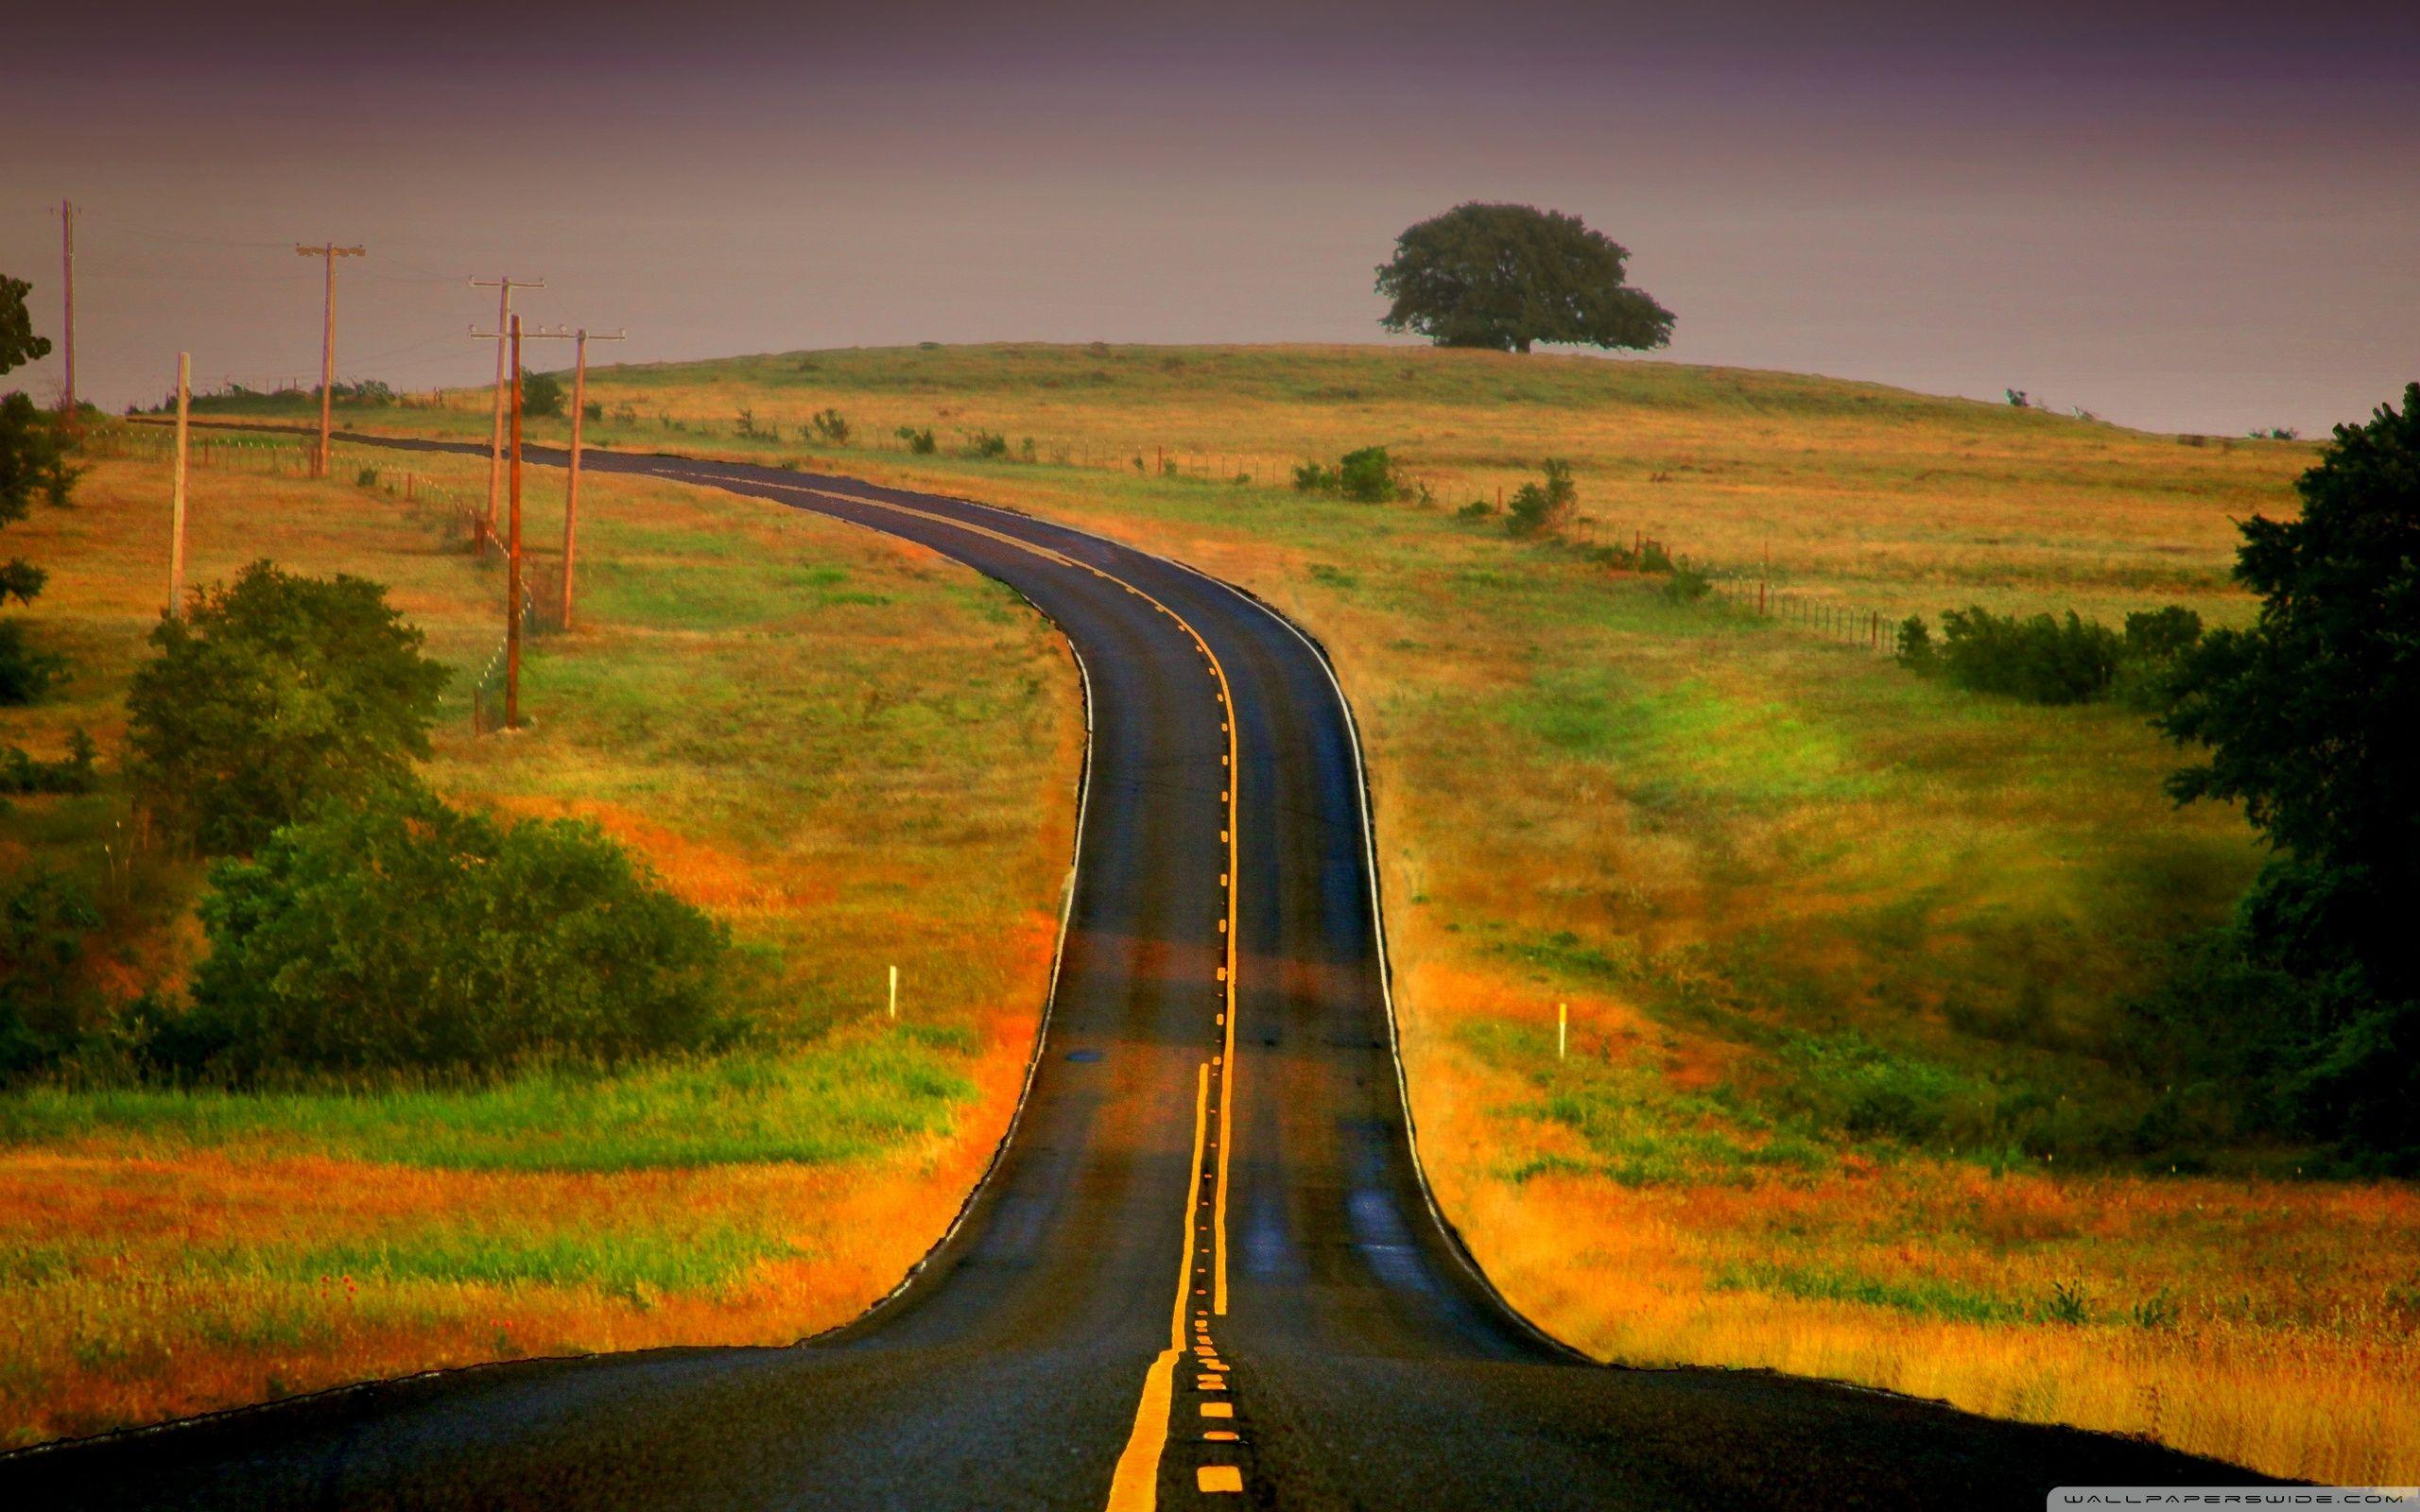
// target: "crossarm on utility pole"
[[504, 287]]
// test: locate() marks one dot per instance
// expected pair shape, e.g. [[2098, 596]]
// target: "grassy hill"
[[1849, 1089], [839, 745]]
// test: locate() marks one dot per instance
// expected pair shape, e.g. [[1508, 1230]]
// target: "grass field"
[[1844, 950], [854, 752]]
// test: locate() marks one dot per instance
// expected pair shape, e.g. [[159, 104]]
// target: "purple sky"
[[2202, 218]]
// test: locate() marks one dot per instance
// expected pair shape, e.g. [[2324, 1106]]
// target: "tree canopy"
[[272, 694], [2309, 718], [18, 343], [1504, 276]]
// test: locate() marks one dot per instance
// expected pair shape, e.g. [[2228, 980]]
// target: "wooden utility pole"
[[67, 266], [327, 343], [504, 287], [571, 493], [512, 576], [177, 495]]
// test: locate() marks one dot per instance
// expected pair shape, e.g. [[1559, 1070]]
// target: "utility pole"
[[512, 576], [571, 495], [177, 495], [504, 287], [67, 263], [327, 343]]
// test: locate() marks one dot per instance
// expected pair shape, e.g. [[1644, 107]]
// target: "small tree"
[[273, 694], [33, 459], [1538, 507], [1505, 276], [1368, 477], [541, 395]]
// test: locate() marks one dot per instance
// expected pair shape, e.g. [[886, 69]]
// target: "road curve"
[[1215, 1116]]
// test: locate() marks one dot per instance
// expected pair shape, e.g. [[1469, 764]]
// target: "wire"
[[132, 230]]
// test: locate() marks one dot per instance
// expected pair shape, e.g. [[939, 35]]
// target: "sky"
[[2200, 217]]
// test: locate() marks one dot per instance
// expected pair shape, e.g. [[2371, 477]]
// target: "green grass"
[[839, 1099]]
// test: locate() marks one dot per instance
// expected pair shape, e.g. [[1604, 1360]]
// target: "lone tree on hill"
[[1504, 276]]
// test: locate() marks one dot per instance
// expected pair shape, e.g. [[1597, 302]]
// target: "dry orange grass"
[[777, 750], [1585, 793]]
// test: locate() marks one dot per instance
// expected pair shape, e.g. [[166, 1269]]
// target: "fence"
[[461, 513]]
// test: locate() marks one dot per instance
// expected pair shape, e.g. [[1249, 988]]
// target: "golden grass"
[[1726, 843], [853, 752]]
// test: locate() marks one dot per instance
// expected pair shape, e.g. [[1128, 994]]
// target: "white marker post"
[[1562, 1028], [895, 992]]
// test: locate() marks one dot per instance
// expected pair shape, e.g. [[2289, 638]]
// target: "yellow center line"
[[1135, 1484]]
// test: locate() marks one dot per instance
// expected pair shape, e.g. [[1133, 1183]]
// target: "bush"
[[831, 426], [920, 443], [1315, 478], [73, 773], [541, 395], [1686, 585], [1368, 477], [27, 672], [1476, 509], [44, 920], [986, 445], [2047, 661], [272, 694], [593, 411], [1537, 507], [403, 934]]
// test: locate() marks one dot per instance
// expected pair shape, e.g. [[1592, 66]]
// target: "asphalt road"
[[1206, 1256]]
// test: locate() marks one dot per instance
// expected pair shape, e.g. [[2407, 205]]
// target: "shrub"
[[403, 934], [830, 426], [1917, 652], [26, 670], [73, 773], [593, 410], [541, 394], [274, 693], [986, 445], [1686, 585], [366, 478], [1537, 507], [1368, 477], [920, 443], [2148, 654], [2039, 660], [44, 920], [1315, 478]]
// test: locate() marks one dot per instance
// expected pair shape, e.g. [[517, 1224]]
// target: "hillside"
[[851, 753], [1849, 1089]]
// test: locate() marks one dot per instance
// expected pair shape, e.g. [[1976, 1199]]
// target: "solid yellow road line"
[[1125, 1485], [1135, 1486]]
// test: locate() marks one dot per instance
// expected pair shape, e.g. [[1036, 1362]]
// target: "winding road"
[[1204, 1270]]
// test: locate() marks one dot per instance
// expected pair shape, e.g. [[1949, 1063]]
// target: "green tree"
[[272, 694], [1538, 507], [541, 395], [402, 933], [33, 458], [1504, 276], [2309, 719]]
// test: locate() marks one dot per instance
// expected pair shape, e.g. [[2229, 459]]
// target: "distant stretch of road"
[[1204, 1270]]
